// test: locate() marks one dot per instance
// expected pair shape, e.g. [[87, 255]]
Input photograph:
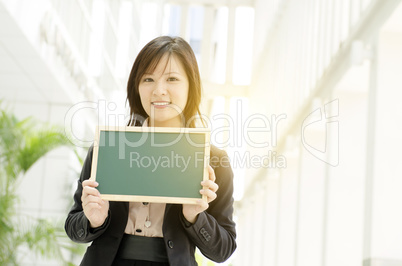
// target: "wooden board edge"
[[95, 154], [207, 156], [155, 129], [155, 199], [178, 200]]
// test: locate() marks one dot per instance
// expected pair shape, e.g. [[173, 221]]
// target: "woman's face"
[[164, 93]]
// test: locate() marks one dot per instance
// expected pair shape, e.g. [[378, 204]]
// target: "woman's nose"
[[160, 89]]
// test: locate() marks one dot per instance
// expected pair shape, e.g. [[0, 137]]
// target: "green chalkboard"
[[150, 164]]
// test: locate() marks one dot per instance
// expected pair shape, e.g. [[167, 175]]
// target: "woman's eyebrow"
[[169, 73]]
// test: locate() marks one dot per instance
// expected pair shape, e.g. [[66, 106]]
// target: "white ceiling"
[[24, 75], [394, 23]]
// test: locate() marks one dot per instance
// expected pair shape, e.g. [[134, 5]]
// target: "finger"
[[211, 173], [209, 193], [90, 183], [95, 206], [92, 199], [210, 184], [87, 190], [92, 205]]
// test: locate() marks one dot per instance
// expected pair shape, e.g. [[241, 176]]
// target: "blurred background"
[[302, 94]]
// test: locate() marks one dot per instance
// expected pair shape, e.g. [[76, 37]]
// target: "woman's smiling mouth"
[[160, 104]]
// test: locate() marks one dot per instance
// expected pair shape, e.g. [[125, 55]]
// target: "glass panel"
[[238, 147], [88, 5], [218, 121], [196, 30], [171, 20], [344, 19], [243, 46], [149, 22], [219, 42], [123, 32], [95, 62], [110, 41]]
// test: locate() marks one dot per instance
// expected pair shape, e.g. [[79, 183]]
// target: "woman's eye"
[[172, 79], [148, 80]]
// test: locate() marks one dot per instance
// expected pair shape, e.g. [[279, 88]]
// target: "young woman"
[[164, 90]]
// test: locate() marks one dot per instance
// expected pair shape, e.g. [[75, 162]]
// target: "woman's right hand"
[[95, 209]]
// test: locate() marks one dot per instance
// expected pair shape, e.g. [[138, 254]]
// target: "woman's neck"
[[169, 123]]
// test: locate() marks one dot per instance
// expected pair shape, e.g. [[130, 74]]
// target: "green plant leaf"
[[34, 147], [22, 143]]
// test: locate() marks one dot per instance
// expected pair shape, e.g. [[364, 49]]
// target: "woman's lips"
[[160, 104]]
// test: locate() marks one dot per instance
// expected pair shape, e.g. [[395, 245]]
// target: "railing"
[[320, 59], [94, 33]]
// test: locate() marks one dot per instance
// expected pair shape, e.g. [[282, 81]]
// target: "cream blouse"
[[145, 219]]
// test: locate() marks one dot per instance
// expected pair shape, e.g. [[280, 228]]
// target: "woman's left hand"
[[191, 211]]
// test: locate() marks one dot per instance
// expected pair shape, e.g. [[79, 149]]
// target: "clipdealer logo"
[[327, 123], [256, 131]]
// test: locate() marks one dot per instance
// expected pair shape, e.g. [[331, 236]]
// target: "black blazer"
[[213, 233]]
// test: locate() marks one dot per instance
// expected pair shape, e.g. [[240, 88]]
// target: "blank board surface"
[[150, 164]]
